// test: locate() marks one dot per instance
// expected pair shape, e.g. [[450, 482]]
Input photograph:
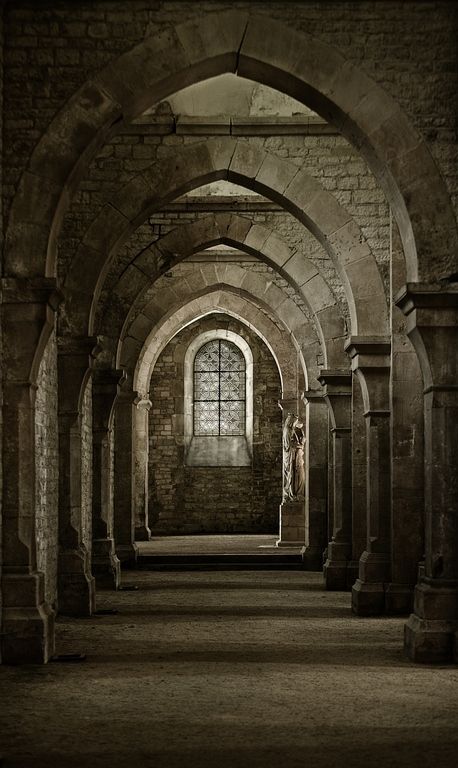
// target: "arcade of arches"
[[215, 215]]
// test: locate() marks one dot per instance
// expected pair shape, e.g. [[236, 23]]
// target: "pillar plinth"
[[370, 358], [292, 524], [27, 319], [432, 326], [76, 585], [337, 394], [316, 463]]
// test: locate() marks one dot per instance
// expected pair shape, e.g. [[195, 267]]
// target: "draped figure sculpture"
[[293, 459]]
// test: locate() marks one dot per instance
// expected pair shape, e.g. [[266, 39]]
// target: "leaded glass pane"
[[232, 385], [219, 389], [232, 418], [206, 419], [231, 357], [206, 385], [207, 358]]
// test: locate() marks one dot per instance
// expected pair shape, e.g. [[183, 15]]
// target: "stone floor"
[[206, 545], [229, 670]]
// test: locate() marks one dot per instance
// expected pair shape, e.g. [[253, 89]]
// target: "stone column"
[[432, 325], [27, 318], [124, 523], [316, 473], [75, 583], [105, 563], [337, 394], [371, 362], [407, 450], [292, 512], [359, 472], [141, 453]]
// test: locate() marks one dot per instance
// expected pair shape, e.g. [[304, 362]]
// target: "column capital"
[[143, 403], [87, 346], [32, 290], [337, 394], [312, 396], [427, 296], [432, 326], [288, 406], [371, 361], [335, 381], [369, 351], [28, 308], [106, 384], [75, 359], [107, 380]]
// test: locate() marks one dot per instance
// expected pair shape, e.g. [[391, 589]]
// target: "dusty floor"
[[233, 670], [204, 545]]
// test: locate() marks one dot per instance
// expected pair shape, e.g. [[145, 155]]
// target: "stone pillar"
[[124, 524], [337, 394], [359, 503], [27, 318], [371, 362], [141, 453], [75, 583], [316, 473], [292, 511], [105, 563], [407, 450], [432, 325]]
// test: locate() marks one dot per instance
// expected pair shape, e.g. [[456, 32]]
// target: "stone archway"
[[238, 162], [254, 239], [267, 52]]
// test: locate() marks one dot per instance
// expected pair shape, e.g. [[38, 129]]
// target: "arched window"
[[218, 400], [219, 389]]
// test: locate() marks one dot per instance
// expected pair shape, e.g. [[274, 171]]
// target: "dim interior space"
[[229, 383]]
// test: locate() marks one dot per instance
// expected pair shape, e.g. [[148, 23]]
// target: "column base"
[[368, 592], [27, 635], [312, 557], [368, 598], [142, 533], [431, 641], [292, 524], [398, 599], [106, 567], [430, 634], [336, 566], [127, 555], [75, 584]]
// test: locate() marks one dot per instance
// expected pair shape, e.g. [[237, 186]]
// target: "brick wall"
[[47, 468], [213, 499]]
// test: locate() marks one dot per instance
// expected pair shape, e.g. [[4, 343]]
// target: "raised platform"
[[231, 552]]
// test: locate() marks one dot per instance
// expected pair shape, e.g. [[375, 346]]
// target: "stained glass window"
[[219, 389]]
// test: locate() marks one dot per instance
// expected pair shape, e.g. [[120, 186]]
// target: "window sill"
[[215, 451]]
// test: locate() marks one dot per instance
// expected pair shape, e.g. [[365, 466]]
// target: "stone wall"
[[86, 468], [409, 48], [213, 499], [47, 468]]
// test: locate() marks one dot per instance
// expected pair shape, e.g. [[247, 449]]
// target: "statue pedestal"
[[292, 524]]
